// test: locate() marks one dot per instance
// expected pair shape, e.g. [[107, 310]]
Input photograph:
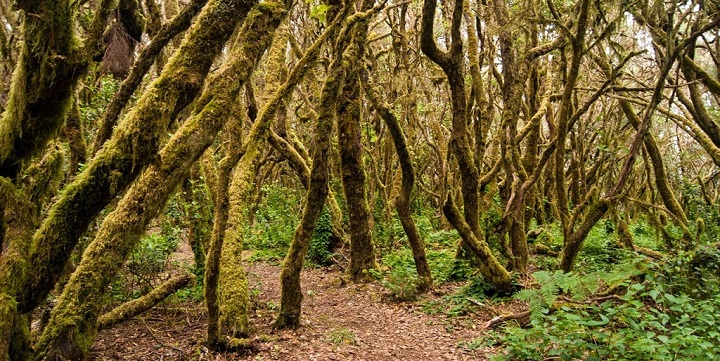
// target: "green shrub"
[[274, 223], [321, 242], [653, 320], [144, 267]]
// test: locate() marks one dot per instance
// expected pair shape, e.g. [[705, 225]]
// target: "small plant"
[[397, 274], [341, 336], [143, 267]]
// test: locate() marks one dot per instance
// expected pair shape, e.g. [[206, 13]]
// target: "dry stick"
[[182, 352], [142, 65], [504, 318]]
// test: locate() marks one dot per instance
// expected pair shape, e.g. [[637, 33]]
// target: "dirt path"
[[340, 322]]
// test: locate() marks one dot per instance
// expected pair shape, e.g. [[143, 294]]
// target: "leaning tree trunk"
[[22, 211], [72, 325]]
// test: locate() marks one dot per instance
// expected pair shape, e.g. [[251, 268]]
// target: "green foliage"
[[398, 274], [144, 266], [600, 252], [321, 241], [696, 207], [274, 223], [656, 318], [95, 98], [192, 293], [319, 13]]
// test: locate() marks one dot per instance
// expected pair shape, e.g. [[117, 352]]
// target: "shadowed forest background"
[[494, 179]]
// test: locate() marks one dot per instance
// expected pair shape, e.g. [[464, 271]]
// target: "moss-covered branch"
[[42, 85], [137, 306], [143, 63], [71, 329]]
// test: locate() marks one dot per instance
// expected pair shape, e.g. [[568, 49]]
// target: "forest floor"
[[340, 321]]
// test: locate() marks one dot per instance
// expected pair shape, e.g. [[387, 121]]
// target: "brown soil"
[[340, 322]]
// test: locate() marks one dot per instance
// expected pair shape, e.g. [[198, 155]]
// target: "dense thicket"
[[506, 122]]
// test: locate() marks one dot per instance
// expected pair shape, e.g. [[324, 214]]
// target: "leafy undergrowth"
[[661, 315]]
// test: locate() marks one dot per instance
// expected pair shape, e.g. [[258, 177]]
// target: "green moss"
[[8, 314], [72, 324], [42, 85], [133, 146]]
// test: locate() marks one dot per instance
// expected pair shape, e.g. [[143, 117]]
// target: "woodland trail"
[[340, 322]]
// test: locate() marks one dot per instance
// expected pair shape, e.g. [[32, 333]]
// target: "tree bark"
[[348, 113]]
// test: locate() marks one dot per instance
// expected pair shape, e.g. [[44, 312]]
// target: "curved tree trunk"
[[291, 293], [402, 201]]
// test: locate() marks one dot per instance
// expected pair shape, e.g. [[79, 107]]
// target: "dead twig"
[[506, 317]]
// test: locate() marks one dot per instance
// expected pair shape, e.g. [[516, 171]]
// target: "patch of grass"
[[341, 336]]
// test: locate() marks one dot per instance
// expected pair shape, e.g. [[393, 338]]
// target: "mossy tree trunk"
[[348, 113], [402, 201], [452, 62], [233, 282], [72, 328], [50, 63], [291, 293], [22, 210], [134, 145]]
